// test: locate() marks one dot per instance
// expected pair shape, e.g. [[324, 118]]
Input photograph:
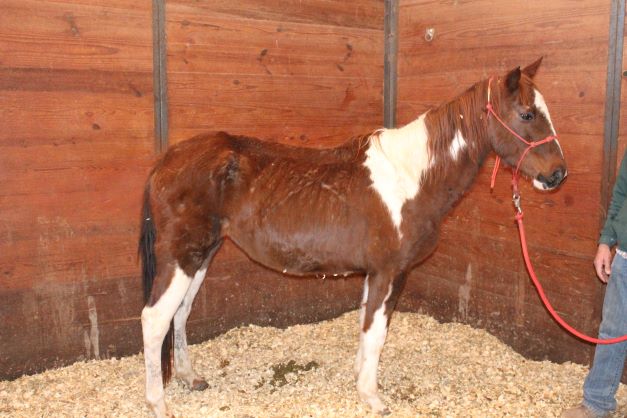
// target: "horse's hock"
[[428, 369], [91, 96]]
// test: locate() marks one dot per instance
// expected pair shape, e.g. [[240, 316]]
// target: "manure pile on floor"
[[427, 369]]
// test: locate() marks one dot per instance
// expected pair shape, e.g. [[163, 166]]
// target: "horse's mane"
[[465, 114]]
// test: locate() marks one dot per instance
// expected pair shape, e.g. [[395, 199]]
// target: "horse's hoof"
[[384, 412], [199, 384]]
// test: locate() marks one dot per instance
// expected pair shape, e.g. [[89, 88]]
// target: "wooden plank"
[[366, 14], [86, 117], [196, 44], [298, 110], [262, 77], [133, 84], [45, 34], [287, 72]]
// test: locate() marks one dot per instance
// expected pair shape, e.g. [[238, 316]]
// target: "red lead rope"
[[545, 300], [521, 230]]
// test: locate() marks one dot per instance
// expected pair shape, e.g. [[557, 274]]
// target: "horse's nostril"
[[557, 176], [553, 180], [541, 178]]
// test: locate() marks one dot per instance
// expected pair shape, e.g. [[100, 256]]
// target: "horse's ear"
[[532, 69], [512, 79]]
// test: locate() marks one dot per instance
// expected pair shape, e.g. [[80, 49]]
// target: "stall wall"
[[77, 142], [477, 275]]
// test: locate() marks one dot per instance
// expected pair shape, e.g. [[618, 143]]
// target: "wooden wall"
[[75, 145], [477, 275], [76, 111]]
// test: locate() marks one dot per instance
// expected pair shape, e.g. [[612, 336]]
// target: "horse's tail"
[[146, 251]]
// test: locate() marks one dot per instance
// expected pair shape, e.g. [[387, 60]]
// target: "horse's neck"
[[406, 162]]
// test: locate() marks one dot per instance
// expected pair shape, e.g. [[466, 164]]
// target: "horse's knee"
[[153, 327]]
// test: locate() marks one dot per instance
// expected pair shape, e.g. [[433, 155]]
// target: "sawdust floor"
[[427, 369]]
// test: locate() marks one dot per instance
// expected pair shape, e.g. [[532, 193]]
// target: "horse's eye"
[[527, 116]]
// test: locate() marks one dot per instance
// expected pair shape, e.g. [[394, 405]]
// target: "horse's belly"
[[290, 257]]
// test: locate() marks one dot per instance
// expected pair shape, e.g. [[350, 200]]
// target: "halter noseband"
[[529, 144]]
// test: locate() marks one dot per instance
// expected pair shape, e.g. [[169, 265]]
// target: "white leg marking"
[[182, 363], [155, 323], [397, 159], [372, 344], [359, 359]]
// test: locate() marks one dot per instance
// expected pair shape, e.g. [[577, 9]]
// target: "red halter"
[[529, 144]]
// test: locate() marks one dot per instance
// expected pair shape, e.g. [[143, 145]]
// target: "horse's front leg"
[[379, 299]]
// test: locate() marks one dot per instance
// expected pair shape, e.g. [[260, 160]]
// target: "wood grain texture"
[[76, 145], [355, 14], [49, 34], [295, 73], [477, 275]]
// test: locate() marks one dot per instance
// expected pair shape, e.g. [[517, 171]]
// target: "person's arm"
[[602, 262], [603, 257], [608, 235]]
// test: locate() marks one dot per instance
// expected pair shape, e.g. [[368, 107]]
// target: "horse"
[[371, 206]]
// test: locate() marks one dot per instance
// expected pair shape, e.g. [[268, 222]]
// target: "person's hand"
[[602, 262]]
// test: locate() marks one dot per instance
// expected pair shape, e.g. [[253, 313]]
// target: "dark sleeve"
[[608, 234]]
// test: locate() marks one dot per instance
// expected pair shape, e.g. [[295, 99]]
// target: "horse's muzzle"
[[551, 182]]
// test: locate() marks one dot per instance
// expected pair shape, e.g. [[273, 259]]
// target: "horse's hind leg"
[[182, 363], [156, 320], [380, 295]]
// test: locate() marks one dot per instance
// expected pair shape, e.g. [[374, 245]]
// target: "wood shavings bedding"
[[427, 369]]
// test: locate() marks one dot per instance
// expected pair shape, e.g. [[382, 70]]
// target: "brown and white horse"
[[372, 206]]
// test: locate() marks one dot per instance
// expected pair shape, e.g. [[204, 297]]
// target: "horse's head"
[[521, 130]]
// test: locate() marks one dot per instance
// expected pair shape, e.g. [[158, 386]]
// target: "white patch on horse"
[[182, 363], [543, 108], [362, 316], [397, 159], [155, 323], [371, 344], [457, 145]]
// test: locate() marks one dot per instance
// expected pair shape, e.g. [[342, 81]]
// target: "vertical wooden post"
[[390, 63], [160, 85]]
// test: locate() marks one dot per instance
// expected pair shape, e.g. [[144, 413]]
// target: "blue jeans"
[[599, 389]]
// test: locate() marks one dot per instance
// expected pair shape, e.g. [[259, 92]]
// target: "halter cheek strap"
[[529, 144]]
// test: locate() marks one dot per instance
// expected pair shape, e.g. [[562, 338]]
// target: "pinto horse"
[[372, 206]]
